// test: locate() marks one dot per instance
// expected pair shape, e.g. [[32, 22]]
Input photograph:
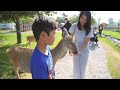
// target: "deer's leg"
[[29, 44], [16, 69], [26, 44]]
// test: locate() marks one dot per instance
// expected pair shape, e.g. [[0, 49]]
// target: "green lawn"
[[112, 33], [110, 43], [8, 40]]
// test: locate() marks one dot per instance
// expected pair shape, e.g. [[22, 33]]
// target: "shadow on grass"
[[6, 70]]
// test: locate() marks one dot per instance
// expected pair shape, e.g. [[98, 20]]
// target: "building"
[[4, 26]]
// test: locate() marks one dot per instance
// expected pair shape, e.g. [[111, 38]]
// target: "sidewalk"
[[96, 67]]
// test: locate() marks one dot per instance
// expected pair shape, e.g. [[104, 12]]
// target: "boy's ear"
[[43, 34]]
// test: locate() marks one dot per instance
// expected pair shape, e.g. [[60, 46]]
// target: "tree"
[[74, 19], [24, 21], [93, 21], [99, 21], [64, 15], [16, 17], [110, 20]]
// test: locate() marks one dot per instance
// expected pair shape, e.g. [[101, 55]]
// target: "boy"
[[41, 64]]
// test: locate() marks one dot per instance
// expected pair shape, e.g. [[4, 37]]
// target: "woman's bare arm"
[[84, 44]]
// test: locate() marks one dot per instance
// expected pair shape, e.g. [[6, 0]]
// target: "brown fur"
[[30, 39]]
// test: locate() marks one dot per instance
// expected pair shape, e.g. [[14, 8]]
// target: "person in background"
[[67, 24], [100, 29], [95, 38]]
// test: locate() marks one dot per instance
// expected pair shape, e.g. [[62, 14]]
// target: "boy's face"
[[51, 38]]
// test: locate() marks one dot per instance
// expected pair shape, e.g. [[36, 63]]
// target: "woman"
[[82, 33]]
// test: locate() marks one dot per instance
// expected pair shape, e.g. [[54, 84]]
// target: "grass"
[[113, 65], [111, 44], [112, 33], [8, 40], [113, 61], [7, 31]]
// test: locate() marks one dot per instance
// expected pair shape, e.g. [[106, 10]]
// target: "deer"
[[30, 39], [20, 56]]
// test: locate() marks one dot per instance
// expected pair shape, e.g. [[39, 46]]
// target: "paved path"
[[96, 67]]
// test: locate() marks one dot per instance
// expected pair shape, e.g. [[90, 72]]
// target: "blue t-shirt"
[[41, 65]]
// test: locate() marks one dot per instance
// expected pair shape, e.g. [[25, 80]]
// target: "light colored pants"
[[79, 65]]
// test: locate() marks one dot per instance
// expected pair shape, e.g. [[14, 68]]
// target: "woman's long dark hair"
[[87, 25]]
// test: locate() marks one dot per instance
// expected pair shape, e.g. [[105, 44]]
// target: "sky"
[[104, 15]]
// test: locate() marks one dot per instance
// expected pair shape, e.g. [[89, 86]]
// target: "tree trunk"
[[18, 33], [23, 26]]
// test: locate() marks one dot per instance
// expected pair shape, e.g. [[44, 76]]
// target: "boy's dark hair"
[[42, 24], [88, 23]]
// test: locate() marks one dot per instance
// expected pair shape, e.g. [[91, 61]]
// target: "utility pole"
[[23, 26]]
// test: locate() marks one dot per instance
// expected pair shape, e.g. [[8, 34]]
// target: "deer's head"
[[68, 41]]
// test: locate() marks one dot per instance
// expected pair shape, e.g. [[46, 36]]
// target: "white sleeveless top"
[[80, 36]]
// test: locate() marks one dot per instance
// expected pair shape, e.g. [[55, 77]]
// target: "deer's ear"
[[64, 32]]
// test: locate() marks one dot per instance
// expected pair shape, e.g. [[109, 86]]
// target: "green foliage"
[[74, 19], [59, 20], [93, 21], [13, 15], [48, 13]]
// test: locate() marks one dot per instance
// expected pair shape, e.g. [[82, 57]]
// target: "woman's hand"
[[80, 51], [70, 53], [84, 45]]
